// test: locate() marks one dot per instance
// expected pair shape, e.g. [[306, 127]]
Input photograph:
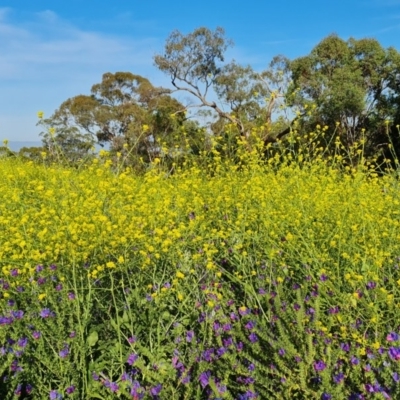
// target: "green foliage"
[[353, 84]]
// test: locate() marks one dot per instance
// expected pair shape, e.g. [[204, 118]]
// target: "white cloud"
[[46, 60]]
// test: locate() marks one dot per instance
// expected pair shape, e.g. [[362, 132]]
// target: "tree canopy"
[[351, 86]]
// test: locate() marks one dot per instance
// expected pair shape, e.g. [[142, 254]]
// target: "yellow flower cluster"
[[343, 223]]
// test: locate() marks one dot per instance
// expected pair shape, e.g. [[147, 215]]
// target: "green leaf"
[[92, 338]]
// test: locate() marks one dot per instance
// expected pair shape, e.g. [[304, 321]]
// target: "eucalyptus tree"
[[123, 110], [352, 84], [237, 94]]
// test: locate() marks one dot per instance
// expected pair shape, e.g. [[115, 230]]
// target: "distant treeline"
[[347, 89]]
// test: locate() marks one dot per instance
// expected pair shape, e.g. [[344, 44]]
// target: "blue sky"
[[53, 50]]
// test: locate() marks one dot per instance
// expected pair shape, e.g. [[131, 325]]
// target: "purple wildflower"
[[46, 313], [319, 366], [394, 353], [36, 335], [132, 358], [54, 395], [155, 391], [204, 378], [70, 389], [392, 337], [338, 378], [253, 337], [64, 352], [250, 325], [189, 336]]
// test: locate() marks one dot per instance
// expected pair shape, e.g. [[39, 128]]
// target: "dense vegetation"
[[351, 86], [257, 257]]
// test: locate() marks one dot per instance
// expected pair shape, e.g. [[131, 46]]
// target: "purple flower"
[[221, 351], [36, 335], [155, 391], [70, 389], [296, 286], [334, 310], [345, 347], [113, 386], [41, 280], [204, 378], [17, 314], [72, 334], [296, 306], [369, 388], [326, 396], [186, 379], [189, 336], [281, 352], [354, 360], [338, 378], [39, 268], [319, 366], [14, 272], [396, 377], [207, 354], [22, 342], [64, 352], [71, 296], [18, 390], [370, 285], [59, 287], [46, 313], [394, 353], [132, 339], [253, 337], [244, 311], [310, 311], [250, 325], [216, 326], [228, 341], [323, 278], [54, 395], [226, 327], [392, 337], [132, 358]]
